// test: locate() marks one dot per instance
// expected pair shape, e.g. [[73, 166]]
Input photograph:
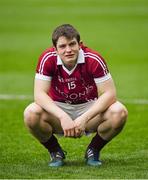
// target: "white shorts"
[[75, 110]]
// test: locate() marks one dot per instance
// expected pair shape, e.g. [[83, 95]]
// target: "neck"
[[70, 67]]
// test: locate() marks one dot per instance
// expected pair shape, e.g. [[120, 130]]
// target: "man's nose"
[[68, 48]]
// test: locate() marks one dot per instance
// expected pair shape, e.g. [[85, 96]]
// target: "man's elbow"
[[113, 97], [38, 97]]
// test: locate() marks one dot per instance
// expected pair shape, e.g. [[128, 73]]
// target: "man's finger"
[[68, 133], [77, 132], [72, 132], [65, 133]]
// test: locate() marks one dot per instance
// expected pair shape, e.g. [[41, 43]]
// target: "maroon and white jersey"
[[77, 85]]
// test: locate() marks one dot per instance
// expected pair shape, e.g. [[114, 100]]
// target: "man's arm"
[[107, 96], [41, 88]]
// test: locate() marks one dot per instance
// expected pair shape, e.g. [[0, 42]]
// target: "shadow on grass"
[[78, 163]]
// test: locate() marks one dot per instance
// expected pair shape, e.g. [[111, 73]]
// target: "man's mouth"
[[69, 55]]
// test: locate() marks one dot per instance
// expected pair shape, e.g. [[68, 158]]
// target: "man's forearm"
[[48, 105], [103, 102]]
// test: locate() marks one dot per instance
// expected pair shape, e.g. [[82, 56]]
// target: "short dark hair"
[[66, 30]]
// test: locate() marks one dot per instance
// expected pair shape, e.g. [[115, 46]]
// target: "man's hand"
[[80, 125], [68, 127]]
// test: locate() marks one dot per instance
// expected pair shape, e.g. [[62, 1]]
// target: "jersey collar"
[[80, 59]]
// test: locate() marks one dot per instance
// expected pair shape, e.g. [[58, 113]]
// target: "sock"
[[52, 144], [97, 142]]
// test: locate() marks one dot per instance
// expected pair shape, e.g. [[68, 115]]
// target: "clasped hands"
[[73, 128]]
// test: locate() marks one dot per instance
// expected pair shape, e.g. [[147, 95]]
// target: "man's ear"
[[54, 48], [81, 42]]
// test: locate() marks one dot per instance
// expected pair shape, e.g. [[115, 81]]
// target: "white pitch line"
[[30, 97], [15, 97], [135, 101]]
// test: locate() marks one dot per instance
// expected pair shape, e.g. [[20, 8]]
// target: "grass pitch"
[[22, 156], [118, 30]]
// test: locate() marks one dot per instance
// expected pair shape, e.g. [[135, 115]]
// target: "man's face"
[[68, 50]]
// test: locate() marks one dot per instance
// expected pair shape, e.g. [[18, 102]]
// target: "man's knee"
[[32, 114], [118, 116]]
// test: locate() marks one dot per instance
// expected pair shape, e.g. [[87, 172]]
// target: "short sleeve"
[[99, 69], [46, 66]]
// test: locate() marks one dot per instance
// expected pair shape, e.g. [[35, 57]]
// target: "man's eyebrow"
[[62, 44]]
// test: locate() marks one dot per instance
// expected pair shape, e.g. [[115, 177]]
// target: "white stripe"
[[99, 59], [89, 151], [30, 97], [100, 62], [135, 101], [43, 77], [44, 59], [90, 155], [102, 79], [15, 97]]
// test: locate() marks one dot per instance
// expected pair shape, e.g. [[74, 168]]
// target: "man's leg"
[[114, 120], [109, 124], [42, 126]]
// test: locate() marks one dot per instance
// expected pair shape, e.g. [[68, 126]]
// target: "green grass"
[[118, 30], [23, 157]]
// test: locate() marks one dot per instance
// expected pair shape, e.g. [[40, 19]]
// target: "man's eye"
[[62, 46], [73, 43]]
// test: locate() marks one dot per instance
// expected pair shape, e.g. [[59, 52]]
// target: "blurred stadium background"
[[119, 31]]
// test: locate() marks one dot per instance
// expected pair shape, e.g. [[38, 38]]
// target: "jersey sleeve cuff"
[[102, 79], [42, 77]]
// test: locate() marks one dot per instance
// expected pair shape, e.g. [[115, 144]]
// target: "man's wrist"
[[85, 118], [62, 116]]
